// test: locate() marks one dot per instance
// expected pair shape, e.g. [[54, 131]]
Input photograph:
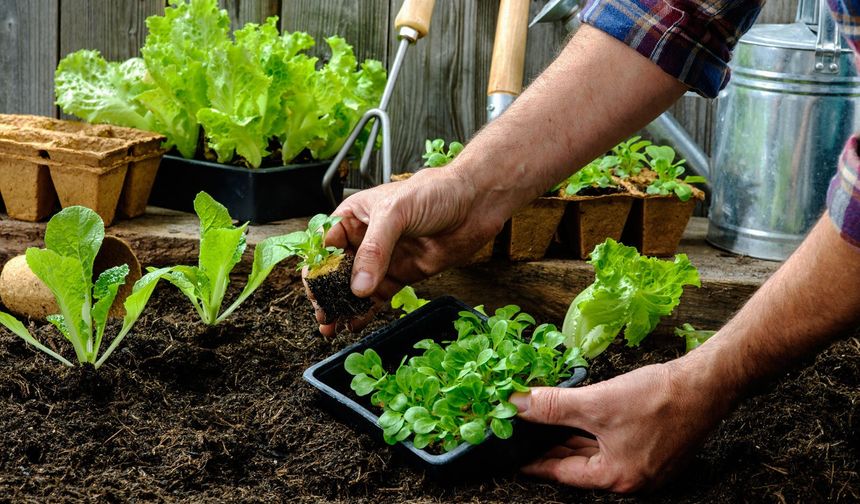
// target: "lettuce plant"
[[309, 245], [407, 300], [435, 154], [457, 391], [630, 292], [221, 247], [72, 239], [597, 174], [661, 159], [692, 336], [627, 157], [247, 93]]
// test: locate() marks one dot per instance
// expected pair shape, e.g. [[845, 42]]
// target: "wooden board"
[[244, 11], [28, 56], [544, 288]]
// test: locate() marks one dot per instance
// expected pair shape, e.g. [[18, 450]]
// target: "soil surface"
[[190, 413]]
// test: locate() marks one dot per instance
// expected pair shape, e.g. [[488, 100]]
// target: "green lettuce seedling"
[[221, 247], [692, 336], [661, 159], [630, 292], [407, 300], [73, 237], [597, 174], [309, 244], [456, 391], [627, 157], [435, 154]]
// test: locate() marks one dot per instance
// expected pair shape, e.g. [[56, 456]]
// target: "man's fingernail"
[[362, 282], [521, 400]]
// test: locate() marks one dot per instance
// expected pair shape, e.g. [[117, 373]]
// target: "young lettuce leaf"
[[221, 247], [630, 292], [72, 241], [407, 300]]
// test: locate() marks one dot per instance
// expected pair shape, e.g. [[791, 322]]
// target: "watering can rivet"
[[834, 67], [819, 66]]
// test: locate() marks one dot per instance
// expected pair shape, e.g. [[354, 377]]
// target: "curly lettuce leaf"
[[99, 91], [630, 292], [177, 53]]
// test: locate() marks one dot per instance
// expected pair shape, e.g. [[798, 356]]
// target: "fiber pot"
[[589, 220], [530, 230], [27, 189], [657, 223], [257, 195], [24, 294], [435, 321], [87, 165]]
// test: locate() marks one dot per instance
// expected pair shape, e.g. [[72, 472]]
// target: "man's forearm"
[[812, 299], [596, 93]]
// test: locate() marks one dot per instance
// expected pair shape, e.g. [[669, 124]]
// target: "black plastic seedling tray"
[[258, 195], [434, 320]]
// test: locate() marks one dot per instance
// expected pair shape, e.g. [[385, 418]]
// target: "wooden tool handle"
[[509, 48], [415, 14]]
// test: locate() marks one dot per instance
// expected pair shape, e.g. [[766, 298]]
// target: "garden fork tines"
[[412, 23]]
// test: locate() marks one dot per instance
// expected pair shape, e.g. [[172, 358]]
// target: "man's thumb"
[[551, 405]]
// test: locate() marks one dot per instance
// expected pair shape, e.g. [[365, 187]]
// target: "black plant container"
[[434, 320], [250, 194]]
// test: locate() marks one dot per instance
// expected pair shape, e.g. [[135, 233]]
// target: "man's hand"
[[645, 422], [406, 231]]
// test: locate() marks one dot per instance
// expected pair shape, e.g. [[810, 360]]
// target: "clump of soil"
[[185, 412], [330, 286]]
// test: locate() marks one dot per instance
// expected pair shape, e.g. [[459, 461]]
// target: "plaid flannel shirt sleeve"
[[690, 40], [843, 197]]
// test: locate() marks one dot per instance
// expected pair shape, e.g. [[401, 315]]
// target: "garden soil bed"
[[182, 412]]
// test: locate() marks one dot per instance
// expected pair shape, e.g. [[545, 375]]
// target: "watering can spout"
[[559, 10], [666, 128]]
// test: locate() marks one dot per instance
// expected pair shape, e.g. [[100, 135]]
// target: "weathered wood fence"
[[441, 91]]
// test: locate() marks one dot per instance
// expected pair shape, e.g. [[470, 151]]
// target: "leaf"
[[692, 336], [407, 300], [356, 364], [64, 277], [220, 251], [267, 254], [502, 428], [14, 325], [504, 410], [76, 232], [473, 432], [104, 291], [362, 385], [212, 215]]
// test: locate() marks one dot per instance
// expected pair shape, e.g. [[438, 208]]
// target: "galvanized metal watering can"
[[792, 102]]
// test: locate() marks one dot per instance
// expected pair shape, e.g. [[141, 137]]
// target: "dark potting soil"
[[333, 294], [186, 412]]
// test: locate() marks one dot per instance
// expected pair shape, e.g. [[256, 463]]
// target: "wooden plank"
[[778, 11], [250, 11], [366, 25], [28, 56], [117, 29], [543, 288], [436, 92]]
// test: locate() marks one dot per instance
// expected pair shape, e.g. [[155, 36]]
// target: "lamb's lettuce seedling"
[[661, 159], [221, 247], [692, 336], [597, 174], [309, 244], [628, 157], [407, 300], [73, 237], [435, 154], [630, 292], [454, 392]]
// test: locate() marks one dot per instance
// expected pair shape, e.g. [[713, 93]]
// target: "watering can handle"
[[828, 46], [415, 14]]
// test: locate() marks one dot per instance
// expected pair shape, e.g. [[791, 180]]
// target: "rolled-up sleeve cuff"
[[843, 196], [690, 40]]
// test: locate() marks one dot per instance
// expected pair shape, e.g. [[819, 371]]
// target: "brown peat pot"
[[594, 215], [530, 231], [42, 159]]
